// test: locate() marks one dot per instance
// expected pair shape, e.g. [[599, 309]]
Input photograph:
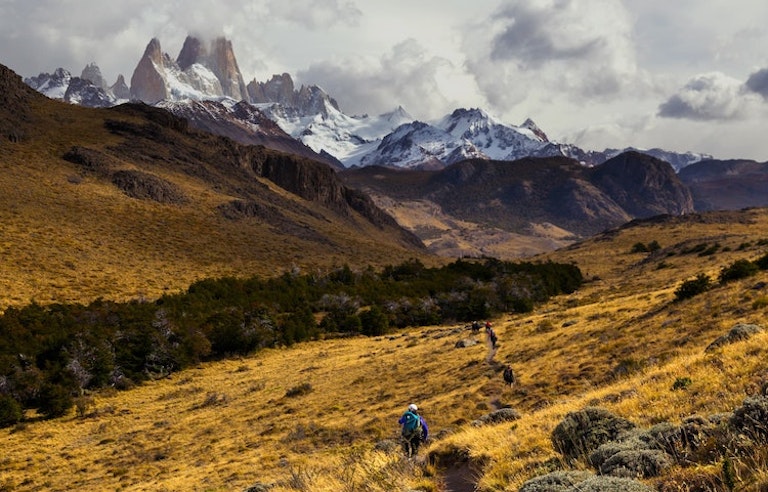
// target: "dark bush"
[[762, 262], [55, 400], [10, 411], [374, 321], [690, 288], [737, 270], [639, 248], [681, 383], [582, 432]]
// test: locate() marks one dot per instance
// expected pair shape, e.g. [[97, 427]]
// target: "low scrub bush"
[[694, 287], [737, 270], [299, 390], [582, 432]]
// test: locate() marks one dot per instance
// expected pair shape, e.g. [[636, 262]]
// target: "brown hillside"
[[130, 202]]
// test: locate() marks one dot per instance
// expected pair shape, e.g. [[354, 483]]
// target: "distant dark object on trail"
[[509, 375]]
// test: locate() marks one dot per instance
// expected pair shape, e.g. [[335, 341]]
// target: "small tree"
[[690, 288], [10, 411], [374, 321]]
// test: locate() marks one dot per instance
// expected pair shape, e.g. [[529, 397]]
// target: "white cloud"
[[406, 76], [577, 47], [711, 96]]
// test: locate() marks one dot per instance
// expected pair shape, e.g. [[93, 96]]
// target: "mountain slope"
[[550, 201], [130, 202], [727, 185]]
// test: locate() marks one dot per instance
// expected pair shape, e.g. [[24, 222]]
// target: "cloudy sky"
[[683, 75]]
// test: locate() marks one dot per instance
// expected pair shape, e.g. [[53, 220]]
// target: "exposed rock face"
[[147, 82], [556, 190], [197, 73], [92, 73], [280, 89], [224, 65], [120, 89]]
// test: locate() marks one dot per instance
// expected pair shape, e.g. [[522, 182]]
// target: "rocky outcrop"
[[120, 89], [223, 63], [280, 89], [147, 82], [197, 73], [220, 59], [92, 73]]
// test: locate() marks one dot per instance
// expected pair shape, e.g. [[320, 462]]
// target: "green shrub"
[[639, 248], [681, 383], [737, 270], [762, 262], [10, 411], [694, 287], [55, 400], [374, 321]]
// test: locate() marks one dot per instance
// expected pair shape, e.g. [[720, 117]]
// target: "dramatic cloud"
[[758, 82], [712, 96], [407, 76], [575, 47]]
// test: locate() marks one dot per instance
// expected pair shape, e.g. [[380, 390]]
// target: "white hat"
[[412, 407]]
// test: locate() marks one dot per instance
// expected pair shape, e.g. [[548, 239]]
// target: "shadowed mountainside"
[[727, 185], [546, 197]]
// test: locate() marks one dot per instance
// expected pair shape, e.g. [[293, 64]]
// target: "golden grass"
[[230, 424], [65, 237], [619, 342]]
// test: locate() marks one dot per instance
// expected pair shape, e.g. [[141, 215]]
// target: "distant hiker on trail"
[[414, 430], [475, 327], [509, 375], [490, 339]]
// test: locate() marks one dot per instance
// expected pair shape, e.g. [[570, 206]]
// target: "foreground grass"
[[313, 417]]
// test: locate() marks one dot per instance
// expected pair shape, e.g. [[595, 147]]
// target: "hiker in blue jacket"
[[415, 430]]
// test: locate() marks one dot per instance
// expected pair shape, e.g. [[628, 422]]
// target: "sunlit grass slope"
[[314, 416], [72, 236]]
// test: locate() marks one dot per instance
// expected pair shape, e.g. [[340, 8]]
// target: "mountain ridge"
[[313, 117]]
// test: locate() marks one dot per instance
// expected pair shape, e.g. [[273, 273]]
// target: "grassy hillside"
[[322, 415], [69, 233]]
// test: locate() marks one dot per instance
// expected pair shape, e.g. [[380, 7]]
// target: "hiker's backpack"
[[411, 426]]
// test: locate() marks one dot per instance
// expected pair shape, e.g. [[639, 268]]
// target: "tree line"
[[49, 355]]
